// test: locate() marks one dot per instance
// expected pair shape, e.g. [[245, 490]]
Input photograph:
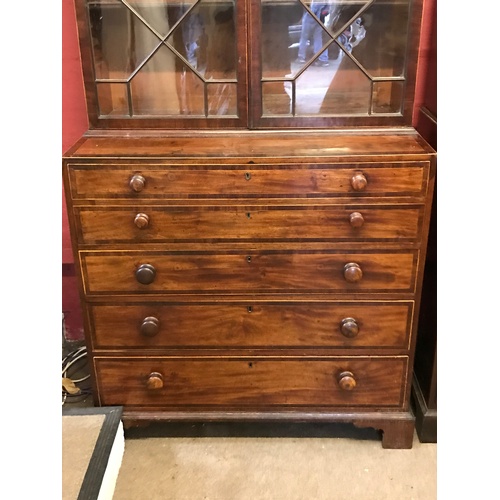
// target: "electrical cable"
[[69, 361]]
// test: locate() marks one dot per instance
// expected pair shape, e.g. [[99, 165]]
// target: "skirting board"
[[425, 418]]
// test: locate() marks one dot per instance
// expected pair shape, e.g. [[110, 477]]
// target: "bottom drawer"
[[252, 381]]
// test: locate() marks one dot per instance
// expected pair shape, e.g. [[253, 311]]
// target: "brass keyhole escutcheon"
[[248, 176]]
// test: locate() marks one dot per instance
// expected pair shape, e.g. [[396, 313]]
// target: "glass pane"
[[387, 97], [113, 99], [331, 54], [382, 52], [206, 37], [121, 42], [276, 98], [222, 99], [278, 17], [157, 13], [165, 53], [339, 89], [158, 89], [312, 35], [312, 86]]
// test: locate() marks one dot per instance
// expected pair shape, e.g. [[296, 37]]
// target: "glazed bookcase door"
[[222, 64], [164, 63], [333, 63]]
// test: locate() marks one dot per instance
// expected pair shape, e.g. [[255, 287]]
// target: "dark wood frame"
[[424, 390]]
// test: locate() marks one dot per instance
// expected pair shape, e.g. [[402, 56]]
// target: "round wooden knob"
[[145, 274], [154, 381], [359, 182], [141, 221], [352, 272], [346, 381], [349, 328], [356, 219], [150, 326], [137, 183]]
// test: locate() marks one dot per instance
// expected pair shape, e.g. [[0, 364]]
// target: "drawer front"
[[298, 272], [210, 181], [344, 324], [149, 224], [246, 382]]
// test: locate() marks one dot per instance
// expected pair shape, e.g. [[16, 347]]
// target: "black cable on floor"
[[70, 367]]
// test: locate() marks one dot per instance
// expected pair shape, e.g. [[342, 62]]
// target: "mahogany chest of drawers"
[[252, 276]]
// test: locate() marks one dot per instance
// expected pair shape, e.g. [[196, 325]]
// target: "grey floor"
[[274, 468]]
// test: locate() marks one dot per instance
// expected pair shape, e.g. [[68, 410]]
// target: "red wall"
[[425, 91], [426, 95], [74, 124]]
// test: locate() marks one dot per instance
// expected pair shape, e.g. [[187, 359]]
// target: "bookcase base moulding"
[[252, 275]]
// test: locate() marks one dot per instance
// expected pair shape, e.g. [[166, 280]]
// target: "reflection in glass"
[[154, 87], [165, 58], [386, 23], [277, 19], [113, 29], [155, 13], [222, 99], [276, 98], [387, 97], [349, 91], [312, 33], [334, 58], [164, 54]]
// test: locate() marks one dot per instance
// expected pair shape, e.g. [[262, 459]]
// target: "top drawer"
[[141, 181]]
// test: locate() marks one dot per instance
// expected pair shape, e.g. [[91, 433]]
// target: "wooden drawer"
[[250, 381], [372, 325], [243, 272], [149, 224], [91, 181]]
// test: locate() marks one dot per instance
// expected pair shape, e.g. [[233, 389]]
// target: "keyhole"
[[248, 176], [249, 309], [249, 258], [248, 215]]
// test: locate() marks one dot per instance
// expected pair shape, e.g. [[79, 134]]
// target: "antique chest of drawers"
[[252, 276]]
